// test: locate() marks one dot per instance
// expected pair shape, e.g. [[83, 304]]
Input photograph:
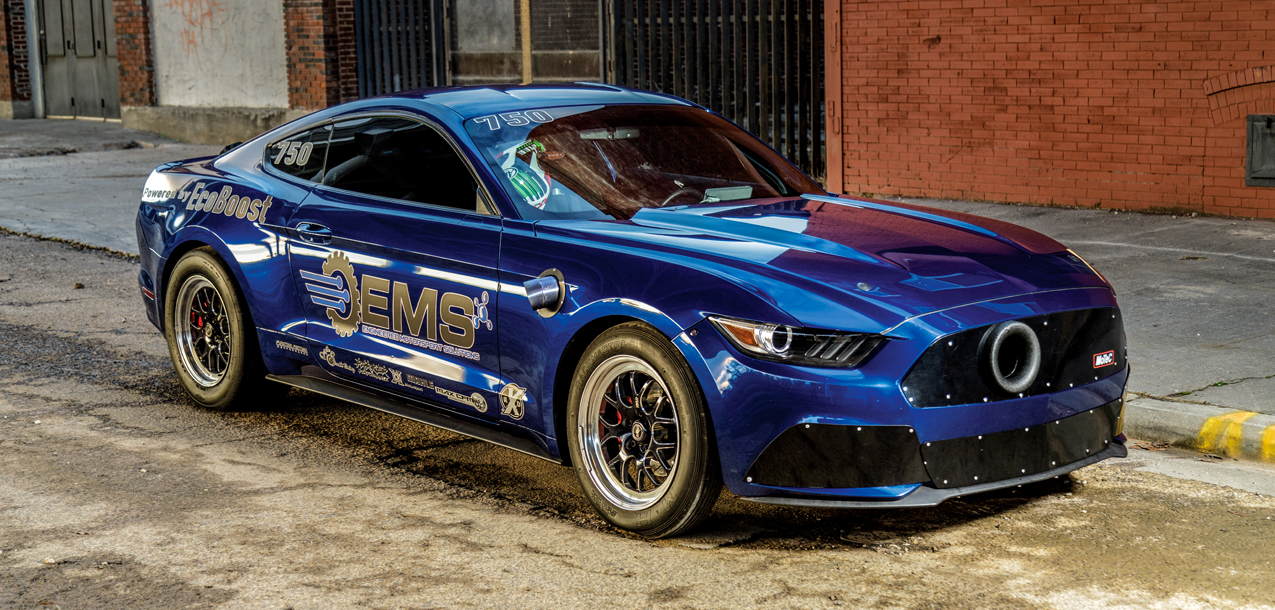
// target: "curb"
[[1217, 430]]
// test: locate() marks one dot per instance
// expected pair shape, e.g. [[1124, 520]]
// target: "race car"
[[629, 284]]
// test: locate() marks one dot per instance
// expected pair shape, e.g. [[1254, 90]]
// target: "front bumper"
[[856, 437], [924, 495], [806, 461]]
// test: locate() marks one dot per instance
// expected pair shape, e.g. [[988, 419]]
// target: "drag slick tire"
[[211, 338], [639, 434]]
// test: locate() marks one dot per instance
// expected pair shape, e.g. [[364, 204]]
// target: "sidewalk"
[[1196, 292], [79, 180]]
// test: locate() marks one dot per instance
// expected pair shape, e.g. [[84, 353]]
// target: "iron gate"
[[395, 45], [757, 62]]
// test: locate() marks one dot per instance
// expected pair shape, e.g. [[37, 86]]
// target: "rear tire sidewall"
[[226, 391], [696, 482]]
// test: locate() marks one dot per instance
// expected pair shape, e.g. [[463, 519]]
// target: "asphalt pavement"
[[117, 491], [1195, 291]]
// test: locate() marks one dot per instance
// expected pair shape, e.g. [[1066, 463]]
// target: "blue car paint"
[[820, 261]]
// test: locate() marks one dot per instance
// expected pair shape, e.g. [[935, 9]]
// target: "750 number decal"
[[514, 119], [293, 153]]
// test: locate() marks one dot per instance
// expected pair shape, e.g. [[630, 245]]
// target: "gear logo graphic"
[[344, 326], [337, 289]]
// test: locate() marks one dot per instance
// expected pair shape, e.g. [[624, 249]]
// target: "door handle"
[[314, 233]]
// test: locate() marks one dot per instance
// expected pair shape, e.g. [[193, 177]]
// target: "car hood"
[[857, 264]]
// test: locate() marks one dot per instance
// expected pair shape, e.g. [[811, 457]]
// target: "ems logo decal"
[[392, 310], [1104, 359]]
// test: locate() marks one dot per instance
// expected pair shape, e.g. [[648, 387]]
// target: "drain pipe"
[[35, 55], [524, 18]]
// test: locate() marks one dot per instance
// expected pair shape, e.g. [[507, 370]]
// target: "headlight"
[[801, 346], [1091, 267]]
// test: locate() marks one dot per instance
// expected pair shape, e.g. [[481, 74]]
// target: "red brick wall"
[[133, 49], [15, 80], [320, 51], [1119, 103]]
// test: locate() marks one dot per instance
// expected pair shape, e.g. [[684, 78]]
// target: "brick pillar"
[[319, 41], [133, 49], [15, 79]]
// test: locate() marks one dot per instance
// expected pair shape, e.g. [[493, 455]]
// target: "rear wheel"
[[639, 434], [211, 338]]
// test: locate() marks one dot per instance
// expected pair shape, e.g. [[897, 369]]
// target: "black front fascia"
[[950, 372], [824, 456], [973, 460], [832, 456]]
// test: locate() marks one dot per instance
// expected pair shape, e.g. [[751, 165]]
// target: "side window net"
[[399, 159], [302, 155]]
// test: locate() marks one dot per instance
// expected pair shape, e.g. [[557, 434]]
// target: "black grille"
[[949, 372]]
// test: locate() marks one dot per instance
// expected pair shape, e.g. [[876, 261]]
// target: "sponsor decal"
[[474, 400], [382, 373], [392, 310], [224, 202], [296, 349], [149, 194], [512, 401], [414, 380], [534, 185], [329, 357], [1104, 359], [531, 146], [554, 155]]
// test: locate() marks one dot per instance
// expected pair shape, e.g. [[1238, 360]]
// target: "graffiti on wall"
[[203, 26]]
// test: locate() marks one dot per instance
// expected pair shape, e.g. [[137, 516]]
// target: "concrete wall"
[[1133, 104], [220, 53]]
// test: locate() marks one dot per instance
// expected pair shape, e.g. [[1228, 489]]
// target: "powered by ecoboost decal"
[[378, 307], [224, 202]]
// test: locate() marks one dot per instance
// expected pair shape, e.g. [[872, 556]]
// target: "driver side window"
[[402, 159]]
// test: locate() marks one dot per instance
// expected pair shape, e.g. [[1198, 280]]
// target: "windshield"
[[611, 161]]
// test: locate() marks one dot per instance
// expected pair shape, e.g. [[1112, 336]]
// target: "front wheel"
[[211, 338], [639, 434]]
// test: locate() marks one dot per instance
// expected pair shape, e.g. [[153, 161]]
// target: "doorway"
[[81, 72]]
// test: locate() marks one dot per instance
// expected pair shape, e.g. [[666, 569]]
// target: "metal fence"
[[395, 45], [757, 62]]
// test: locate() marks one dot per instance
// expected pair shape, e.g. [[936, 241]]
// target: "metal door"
[[757, 62], [81, 72], [409, 44]]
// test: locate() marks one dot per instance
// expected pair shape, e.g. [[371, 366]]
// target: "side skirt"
[[363, 398]]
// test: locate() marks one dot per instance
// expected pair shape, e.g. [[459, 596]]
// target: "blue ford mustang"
[[628, 283]]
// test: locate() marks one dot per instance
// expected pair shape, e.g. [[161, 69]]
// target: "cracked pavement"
[[117, 492]]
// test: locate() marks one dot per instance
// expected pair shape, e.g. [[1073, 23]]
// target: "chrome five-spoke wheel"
[[630, 432], [204, 336]]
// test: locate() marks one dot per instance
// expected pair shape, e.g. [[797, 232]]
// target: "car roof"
[[482, 100]]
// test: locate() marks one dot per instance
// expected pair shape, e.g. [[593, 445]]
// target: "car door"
[[395, 256]]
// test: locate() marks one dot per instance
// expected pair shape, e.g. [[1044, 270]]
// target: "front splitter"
[[929, 496]]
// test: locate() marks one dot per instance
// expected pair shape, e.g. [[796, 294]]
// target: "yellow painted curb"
[[1268, 444], [1224, 433]]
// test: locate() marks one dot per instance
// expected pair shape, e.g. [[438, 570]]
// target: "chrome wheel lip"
[[590, 411], [188, 342]]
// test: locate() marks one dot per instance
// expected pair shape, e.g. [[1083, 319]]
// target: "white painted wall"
[[220, 53]]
